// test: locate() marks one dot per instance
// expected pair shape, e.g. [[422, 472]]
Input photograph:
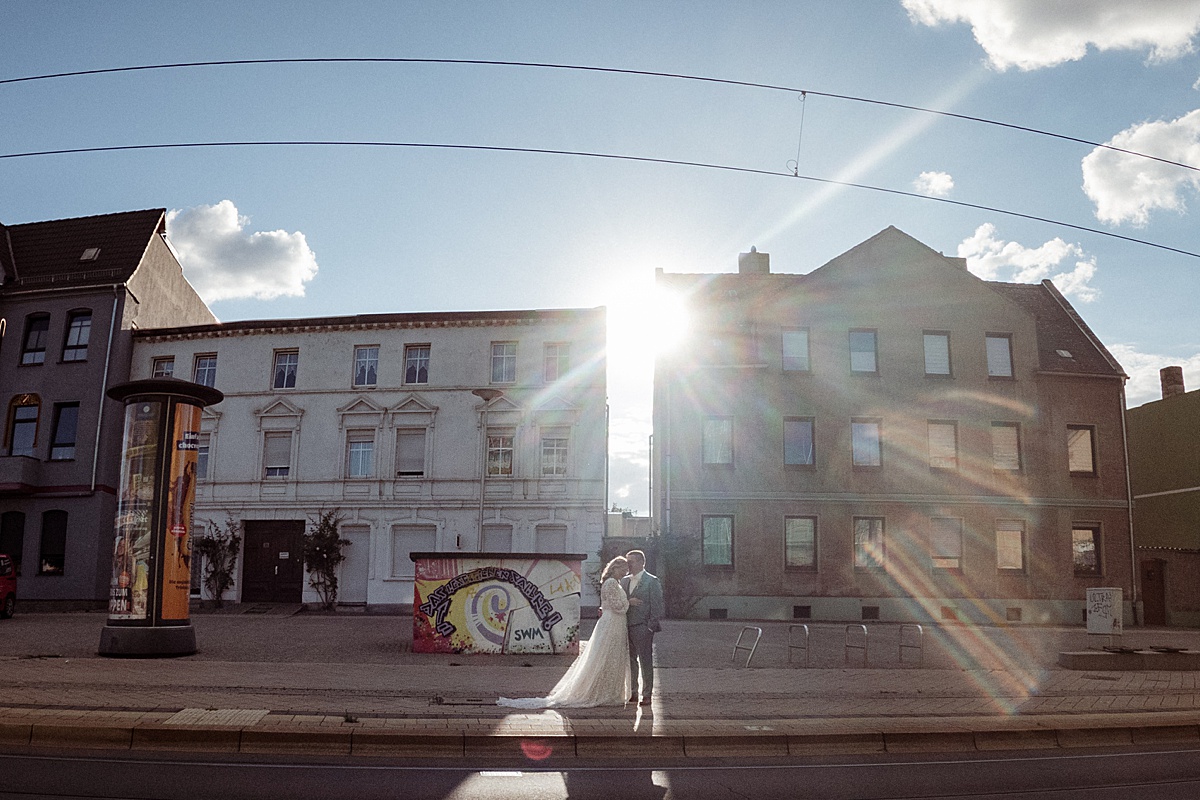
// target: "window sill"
[[800, 467], [800, 570], [1002, 378]]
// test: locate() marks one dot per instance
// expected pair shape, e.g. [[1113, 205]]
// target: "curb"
[[508, 747]]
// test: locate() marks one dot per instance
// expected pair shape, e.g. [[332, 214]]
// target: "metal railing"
[[793, 646], [738, 645], [864, 645], [916, 641]]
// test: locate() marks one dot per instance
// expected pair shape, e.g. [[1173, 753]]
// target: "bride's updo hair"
[[608, 568]]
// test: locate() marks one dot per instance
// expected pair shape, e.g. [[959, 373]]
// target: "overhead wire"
[[597, 155], [592, 68]]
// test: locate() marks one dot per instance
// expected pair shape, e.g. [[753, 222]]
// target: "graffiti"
[[529, 633], [437, 605]]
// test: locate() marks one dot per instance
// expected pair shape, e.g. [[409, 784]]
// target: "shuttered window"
[[1006, 446], [943, 445], [937, 354], [410, 453]]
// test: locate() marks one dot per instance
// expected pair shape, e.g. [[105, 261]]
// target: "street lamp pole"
[[487, 396]]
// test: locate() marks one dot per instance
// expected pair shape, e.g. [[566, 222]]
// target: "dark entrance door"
[[1154, 591], [274, 569]]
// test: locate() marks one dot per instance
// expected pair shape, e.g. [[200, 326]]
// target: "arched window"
[[53, 551], [22, 429], [12, 536], [37, 331]]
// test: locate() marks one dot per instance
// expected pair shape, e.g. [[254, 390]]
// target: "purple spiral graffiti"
[[488, 613]]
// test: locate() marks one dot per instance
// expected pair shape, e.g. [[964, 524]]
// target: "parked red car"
[[8, 587]]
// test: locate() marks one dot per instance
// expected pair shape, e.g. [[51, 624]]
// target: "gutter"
[[1133, 573], [112, 324]]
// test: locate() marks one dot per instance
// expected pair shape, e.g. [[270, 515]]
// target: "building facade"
[[451, 432], [72, 291], [887, 437], [1164, 468]]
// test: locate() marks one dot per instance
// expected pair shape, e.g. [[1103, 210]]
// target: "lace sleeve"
[[612, 597]]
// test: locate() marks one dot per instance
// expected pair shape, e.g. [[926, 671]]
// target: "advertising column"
[[149, 592]]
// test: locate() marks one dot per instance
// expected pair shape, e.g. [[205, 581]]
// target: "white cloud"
[[991, 258], [934, 184], [225, 261], [1144, 385], [1127, 188], [1030, 34]]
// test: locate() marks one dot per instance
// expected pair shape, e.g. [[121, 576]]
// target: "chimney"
[[754, 263], [1172, 381]]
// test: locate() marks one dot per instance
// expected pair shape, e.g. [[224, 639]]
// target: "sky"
[[305, 230]]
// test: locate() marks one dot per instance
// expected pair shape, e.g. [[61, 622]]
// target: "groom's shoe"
[[645, 700], [633, 698]]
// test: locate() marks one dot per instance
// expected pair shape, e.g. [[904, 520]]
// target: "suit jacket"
[[652, 609]]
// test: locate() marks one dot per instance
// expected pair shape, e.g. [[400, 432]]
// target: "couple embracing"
[[622, 645]]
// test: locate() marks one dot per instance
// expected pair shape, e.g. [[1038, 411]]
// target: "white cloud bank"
[[1142, 369], [1127, 188], [934, 184], [992, 259], [1030, 34], [225, 261]]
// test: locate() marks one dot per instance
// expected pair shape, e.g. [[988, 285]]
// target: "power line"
[[609, 156], [610, 70]]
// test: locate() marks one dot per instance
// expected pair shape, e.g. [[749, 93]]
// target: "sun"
[[644, 322]]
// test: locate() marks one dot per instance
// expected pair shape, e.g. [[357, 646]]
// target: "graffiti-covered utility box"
[[497, 602]]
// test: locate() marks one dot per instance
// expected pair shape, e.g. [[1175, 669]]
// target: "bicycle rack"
[[854, 645], [911, 628], [792, 645], [751, 647]]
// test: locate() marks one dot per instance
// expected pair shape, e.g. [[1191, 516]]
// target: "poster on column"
[[181, 494], [129, 589], [496, 603]]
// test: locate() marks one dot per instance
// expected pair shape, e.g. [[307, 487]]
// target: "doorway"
[[1154, 591], [273, 571]]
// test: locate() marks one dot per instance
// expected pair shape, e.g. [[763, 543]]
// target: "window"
[[79, 329], [23, 424], [416, 363], [550, 539], [717, 441], [556, 361], [500, 452], [360, 454], [366, 365], [795, 350], [554, 455], [408, 539], [800, 543], [202, 449], [716, 547], [277, 454], [286, 362], [943, 445], [1085, 549], [868, 543], [1010, 545], [1006, 446], [798, 442], [863, 354], [866, 449], [946, 543], [999, 355], [53, 550], [205, 370], [410, 453], [12, 536], [37, 331], [1081, 449], [497, 538], [937, 353], [163, 367], [62, 436], [504, 362]]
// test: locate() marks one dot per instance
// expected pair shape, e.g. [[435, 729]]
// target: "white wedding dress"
[[600, 675]]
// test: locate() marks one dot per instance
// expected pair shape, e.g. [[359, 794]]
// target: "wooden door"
[[1154, 591], [273, 571]]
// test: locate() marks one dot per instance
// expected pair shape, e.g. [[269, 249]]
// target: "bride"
[[600, 675]]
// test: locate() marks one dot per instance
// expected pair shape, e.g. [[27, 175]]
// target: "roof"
[[427, 319], [38, 254], [1060, 330]]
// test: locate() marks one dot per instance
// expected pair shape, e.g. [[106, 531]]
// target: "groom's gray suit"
[[643, 620]]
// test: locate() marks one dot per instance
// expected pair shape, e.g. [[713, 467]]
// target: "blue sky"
[[310, 231]]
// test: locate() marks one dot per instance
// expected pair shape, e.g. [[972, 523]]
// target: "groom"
[[645, 610]]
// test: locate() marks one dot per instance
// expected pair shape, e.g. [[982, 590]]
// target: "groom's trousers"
[[641, 658]]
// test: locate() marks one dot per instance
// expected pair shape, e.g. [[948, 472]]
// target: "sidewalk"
[[349, 684]]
